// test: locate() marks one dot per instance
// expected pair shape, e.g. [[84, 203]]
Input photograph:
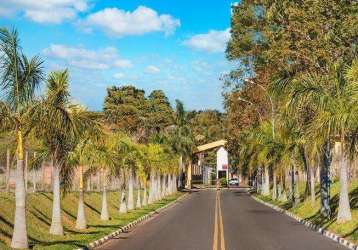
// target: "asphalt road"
[[196, 222]]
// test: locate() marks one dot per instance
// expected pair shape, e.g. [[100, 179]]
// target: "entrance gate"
[[197, 169]]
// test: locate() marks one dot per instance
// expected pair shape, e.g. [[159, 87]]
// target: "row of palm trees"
[[315, 124], [72, 139]]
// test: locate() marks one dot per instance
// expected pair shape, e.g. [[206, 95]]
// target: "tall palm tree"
[[103, 158], [20, 77], [181, 139], [62, 125], [82, 156], [335, 98]]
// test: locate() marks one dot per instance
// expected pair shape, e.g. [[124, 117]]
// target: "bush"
[[223, 182]]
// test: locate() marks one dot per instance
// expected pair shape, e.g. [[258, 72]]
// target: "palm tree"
[[335, 98], [119, 151], [62, 125], [181, 139], [20, 77], [80, 157], [154, 152], [104, 160]]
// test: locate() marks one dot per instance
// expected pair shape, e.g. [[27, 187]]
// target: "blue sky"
[[177, 46]]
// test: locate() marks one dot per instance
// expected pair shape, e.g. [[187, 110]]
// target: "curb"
[[125, 228], [312, 226]]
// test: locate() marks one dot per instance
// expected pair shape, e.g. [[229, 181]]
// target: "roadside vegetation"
[[292, 103], [310, 211], [39, 209], [57, 154], [69, 175]]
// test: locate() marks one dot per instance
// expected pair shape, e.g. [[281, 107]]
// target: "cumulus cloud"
[[151, 69], [120, 23], [214, 41], [44, 11], [80, 57]]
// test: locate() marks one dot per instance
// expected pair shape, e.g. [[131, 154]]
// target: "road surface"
[[225, 220]]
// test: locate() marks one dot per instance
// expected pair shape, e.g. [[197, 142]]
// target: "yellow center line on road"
[[219, 225], [222, 240], [215, 241]]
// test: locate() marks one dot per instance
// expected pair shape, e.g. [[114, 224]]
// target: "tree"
[[20, 77], [181, 138], [62, 124], [335, 98], [125, 107], [82, 156], [160, 113]]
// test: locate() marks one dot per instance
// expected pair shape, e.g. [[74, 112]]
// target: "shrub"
[[223, 182]]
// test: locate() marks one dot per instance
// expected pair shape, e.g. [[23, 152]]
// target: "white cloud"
[[44, 11], [118, 75], [151, 69], [123, 63], [213, 41], [80, 57], [120, 23]]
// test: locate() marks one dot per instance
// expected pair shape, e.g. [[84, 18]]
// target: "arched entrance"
[[197, 168]]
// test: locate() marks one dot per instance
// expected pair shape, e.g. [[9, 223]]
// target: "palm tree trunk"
[[98, 184], [81, 217], [274, 187], [170, 184], [159, 187], [34, 183], [296, 189], [312, 184], [89, 183], [344, 209], [56, 222], [151, 187], [42, 187], [123, 203], [26, 169], [325, 180], [19, 236], [283, 195], [292, 184], [130, 191], [145, 198], [138, 204], [175, 184], [266, 189], [180, 181], [7, 170], [104, 210], [306, 171], [189, 175], [34, 180], [163, 186]]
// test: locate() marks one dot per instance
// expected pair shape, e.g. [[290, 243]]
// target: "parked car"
[[234, 182]]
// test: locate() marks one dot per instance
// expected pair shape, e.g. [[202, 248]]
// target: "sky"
[[177, 46]]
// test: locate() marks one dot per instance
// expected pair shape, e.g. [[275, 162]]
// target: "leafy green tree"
[[207, 126], [20, 77], [160, 113], [125, 107]]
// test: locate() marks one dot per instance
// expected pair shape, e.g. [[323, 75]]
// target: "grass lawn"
[[310, 211], [39, 209]]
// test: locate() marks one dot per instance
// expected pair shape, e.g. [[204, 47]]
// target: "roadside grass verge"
[[39, 210], [311, 211]]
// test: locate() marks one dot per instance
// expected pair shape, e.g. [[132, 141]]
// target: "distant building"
[[222, 164]]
